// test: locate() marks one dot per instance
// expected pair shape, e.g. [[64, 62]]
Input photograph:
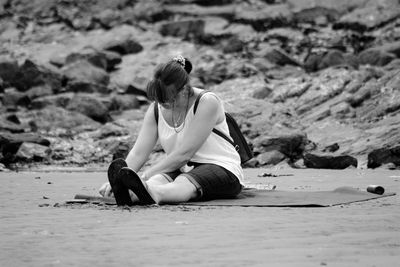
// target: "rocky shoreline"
[[313, 84]]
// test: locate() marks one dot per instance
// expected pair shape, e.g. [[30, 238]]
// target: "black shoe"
[[121, 192], [133, 182]]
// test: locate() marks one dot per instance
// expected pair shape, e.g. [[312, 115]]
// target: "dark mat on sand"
[[273, 198]]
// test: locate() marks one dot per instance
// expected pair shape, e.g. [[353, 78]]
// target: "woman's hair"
[[176, 72]]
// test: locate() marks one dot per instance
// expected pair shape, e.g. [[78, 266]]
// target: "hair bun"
[[184, 62], [188, 65]]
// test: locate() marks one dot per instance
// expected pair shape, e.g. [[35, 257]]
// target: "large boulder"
[[375, 56], [265, 17], [84, 77], [91, 106], [292, 146], [185, 29], [89, 54], [270, 158], [150, 11], [59, 100], [279, 57], [12, 97], [382, 156], [11, 143], [31, 74], [59, 121], [8, 69], [329, 162], [370, 17], [329, 58], [8, 124], [32, 152]]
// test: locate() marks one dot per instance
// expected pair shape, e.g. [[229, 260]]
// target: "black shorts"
[[211, 181]]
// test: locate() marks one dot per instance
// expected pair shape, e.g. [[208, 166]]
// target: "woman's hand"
[[106, 190]]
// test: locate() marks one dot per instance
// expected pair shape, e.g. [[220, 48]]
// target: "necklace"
[[182, 116]]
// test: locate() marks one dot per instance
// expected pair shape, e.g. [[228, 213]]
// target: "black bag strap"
[[156, 111], [218, 132], [196, 103]]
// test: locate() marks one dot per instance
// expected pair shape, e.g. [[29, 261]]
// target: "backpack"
[[236, 138]]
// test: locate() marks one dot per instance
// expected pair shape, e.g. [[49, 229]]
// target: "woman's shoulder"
[[204, 94], [207, 100]]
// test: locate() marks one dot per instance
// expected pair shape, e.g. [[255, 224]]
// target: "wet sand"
[[36, 231]]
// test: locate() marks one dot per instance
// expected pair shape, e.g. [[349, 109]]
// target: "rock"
[[10, 143], [212, 2], [150, 11], [59, 121], [90, 54], [90, 106], [329, 162], [279, 57], [265, 17], [331, 148], [365, 92], [391, 47], [232, 45], [333, 57], [340, 110], [292, 146], [340, 6], [10, 126], [84, 77], [368, 18], [270, 158], [116, 147], [107, 130], [290, 87], [283, 72], [358, 79], [35, 9], [12, 97], [124, 46], [39, 91], [389, 166], [19, 138], [8, 70], [375, 57], [224, 11], [124, 102], [316, 14], [108, 18], [324, 87], [185, 29], [113, 59], [31, 74], [262, 93], [59, 100], [32, 152], [74, 17], [393, 65], [382, 156]]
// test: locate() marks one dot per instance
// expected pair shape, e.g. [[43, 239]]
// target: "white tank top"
[[215, 150]]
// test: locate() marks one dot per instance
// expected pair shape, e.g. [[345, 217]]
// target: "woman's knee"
[[183, 181], [158, 179]]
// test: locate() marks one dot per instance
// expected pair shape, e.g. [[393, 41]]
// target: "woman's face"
[[170, 102]]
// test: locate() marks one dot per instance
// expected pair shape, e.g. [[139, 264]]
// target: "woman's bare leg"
[[180, 190], [155, 180]]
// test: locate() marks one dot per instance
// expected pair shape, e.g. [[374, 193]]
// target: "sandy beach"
[[38, 229]]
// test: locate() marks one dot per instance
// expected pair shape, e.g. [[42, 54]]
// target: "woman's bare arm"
[[207, 115], [145, 141]]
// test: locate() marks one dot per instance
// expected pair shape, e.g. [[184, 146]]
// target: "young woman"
[[199, 164]]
